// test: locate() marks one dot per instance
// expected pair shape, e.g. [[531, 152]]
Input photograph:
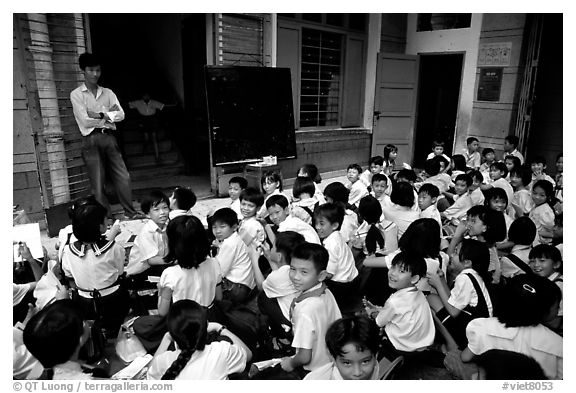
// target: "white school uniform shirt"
[[349, 225], [177, 213], [366, 177], [319, 194], [263, 212], [63, 239], [407, 319], [509, 269], [477, 197], [235, 264], [150, 242], [216, 361], [94, 269], [24, 365], [460, 207], [311, 318], [472, 160], [542, 176], [433, 213], [198, 284], [253, 230], [516, 153], [560, 284], [389, 231], [432, 266], [298, 211], [279, 286], [235, 205], [329, 372], [538, 342], [295, 224], [543, 218], [401, 215], [341, 261], [357, 191], [464, 294], [503, 184], [523, 198], [19, 291], [432, 155]]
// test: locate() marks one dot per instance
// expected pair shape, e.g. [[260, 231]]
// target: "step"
[[151, 172], [133, 134], [148, 160], [137, 148]]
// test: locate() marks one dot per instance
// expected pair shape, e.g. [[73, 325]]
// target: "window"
[[320, 78], [429, 22]]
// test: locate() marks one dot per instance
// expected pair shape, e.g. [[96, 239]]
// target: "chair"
[[388, 369]]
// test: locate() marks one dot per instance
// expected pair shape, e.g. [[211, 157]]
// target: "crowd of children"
[[458, 263]]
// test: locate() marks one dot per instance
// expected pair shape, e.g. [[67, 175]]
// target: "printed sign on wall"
[[495, 54]]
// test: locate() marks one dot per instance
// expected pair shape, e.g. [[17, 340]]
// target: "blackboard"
[[250, 113]]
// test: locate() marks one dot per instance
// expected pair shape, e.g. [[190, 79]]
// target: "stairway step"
[[132, 134], [134, 148], [147, 173], [148, 160]]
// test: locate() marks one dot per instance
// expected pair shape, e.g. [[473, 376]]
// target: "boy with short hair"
[[375, 165], [498, 173], [510, 147], [379, 186], [476, 193], [181, 201], [438, 150], [236, 185], [235, 263], [406, 315], [462, 201], [357, 189], [427, 197], [279, 213], [313, 311], [151, 244], [341, 267], [471, 153], [250, 229], [538, 166], [489, 158]]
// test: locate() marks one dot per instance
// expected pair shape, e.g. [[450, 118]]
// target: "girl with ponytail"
[[375, 235], [195, 357]]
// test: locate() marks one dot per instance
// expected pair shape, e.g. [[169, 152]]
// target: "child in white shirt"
[[271, 183], [462, 201], [236, 185], [471, 153], [311, 171], [279, 213], [375, 165], [427, 196], [438, 150], [380, 183], [338, 193], [181, 201], [498, 172], [521, 202], [305, 201], [521, 234], [376, 235], [358, 190], [251, 230], [538, 166], [542, 214]]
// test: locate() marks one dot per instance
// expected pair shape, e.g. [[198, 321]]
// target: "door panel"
[[395, 105]]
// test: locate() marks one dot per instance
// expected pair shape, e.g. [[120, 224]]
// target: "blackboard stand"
[[253, 173]]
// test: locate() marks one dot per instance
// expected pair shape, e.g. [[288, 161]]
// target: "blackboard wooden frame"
[[250, 113]]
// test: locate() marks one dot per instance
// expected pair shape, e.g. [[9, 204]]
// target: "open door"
[[395, 105]]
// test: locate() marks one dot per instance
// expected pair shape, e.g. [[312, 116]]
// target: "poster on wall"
[[496, 54], [490, 84]]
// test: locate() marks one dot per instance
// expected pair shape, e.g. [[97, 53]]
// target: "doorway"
[[438, 94]]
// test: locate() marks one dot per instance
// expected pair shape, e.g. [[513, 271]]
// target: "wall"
[[445, 41]]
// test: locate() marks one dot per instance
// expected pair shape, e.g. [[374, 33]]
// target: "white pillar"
[[374, 32], [41, 51]]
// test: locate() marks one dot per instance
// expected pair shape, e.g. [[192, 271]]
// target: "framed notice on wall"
[[490, 84]]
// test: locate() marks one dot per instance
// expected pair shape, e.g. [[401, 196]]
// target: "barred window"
[[321, 71]]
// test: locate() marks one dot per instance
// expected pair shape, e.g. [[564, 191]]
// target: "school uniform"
[[318, 194], [543, 218], [341, 261], [472, 159], [252, 232], [458, 210], [366, 177], [24, 365], [235, 205], [523, 199], [263, 212], [311, 318], [216, 361], [358, 191], [304, 209], [477, 197], [198, 284], [503, 184], [402, 216], [432, 155], [95, 268], [441, 180], [295, 224], [150, 242], [542, 176], [65, 236], [349, 225], [235, 264], [464, 292], [277, 295], [177, 213], [329, 371], [433, 213], [509, 268], [538, 342], [516, 153], [389, 231], [407, 320]]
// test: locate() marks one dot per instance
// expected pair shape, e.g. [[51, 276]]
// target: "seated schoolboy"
[[461, 198], [312, 312], [251, 230], [358, 190], [469, 297], [277, 289], [236, 185], [151, 244], [458, 166], [235, 264], [279, 213], [95, 265], [538, 167], [476, 194], [353, 344], [471, 153], [341, 270], [438, 150], [439, 179], [546, 261], [522, 233], [488, 158], [311, 171], [522, 203], [181, 201], [406, 315], [427, 197], [54, 336], [511, 147], [305, 201], [375, 165], [380, 183], [338, 193]]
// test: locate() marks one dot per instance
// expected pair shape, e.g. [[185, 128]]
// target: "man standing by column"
[[96, 109]]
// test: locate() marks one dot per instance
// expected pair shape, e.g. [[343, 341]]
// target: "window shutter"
[[240, 40], [353, 92], [289, 57]]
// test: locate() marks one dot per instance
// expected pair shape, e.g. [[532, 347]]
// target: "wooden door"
[[395, 105]]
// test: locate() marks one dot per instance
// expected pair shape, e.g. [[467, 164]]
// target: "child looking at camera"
[[236, 185]]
